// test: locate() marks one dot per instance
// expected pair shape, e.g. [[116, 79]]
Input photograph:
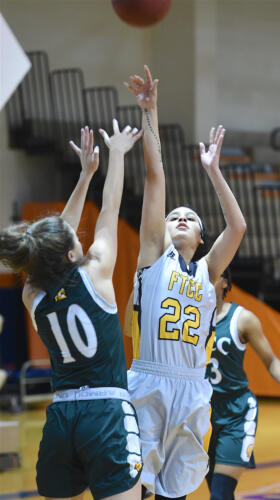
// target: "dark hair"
[[227, 276], [40, 250], [204, 248]]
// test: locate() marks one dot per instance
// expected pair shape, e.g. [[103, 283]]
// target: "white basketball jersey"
[[174, 312]]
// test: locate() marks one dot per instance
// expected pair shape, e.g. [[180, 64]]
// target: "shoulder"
[[248, 318], [28, 295], [94, 279], [170, 254], [248, 322]]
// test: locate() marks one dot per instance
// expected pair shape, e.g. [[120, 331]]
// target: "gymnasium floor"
[[260, 484]]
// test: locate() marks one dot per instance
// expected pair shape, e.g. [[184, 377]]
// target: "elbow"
[[274, 369], [243, 226], [238, 229]]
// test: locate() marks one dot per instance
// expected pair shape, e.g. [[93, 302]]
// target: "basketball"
[[141, 13]]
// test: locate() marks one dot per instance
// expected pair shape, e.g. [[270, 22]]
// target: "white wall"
[[173, 62], [74, 33], [248, 59], [237, 84]]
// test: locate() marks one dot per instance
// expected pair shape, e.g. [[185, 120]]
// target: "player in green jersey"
[[234, 406], [91, 437]]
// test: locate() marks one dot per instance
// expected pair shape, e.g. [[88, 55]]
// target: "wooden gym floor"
[[262, 483]]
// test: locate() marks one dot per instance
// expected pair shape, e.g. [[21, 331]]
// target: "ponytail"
[[17, 247], [40, 250]]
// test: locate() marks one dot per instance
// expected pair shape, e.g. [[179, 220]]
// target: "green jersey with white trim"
[[82, 333], [225, 369]]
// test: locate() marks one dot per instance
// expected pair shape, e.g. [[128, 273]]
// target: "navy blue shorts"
[[234, 424], [92, 443]]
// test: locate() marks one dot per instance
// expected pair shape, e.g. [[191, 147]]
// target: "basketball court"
[[86, 71]]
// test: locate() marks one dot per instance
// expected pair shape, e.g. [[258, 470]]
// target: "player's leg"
[[237, 417], [3, 377], [224, 481], [160, 497], [132, 494], [186, 460], [59, 472], [77, 497], [111, 454]]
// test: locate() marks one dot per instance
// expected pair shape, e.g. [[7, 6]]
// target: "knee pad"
[[160, 497], [222, 487], [209, 478]]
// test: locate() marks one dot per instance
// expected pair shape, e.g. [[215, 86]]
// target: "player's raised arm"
[[250, 330], [89, 159], [127, 329], [227, 243], [152, 228], [103, 251]]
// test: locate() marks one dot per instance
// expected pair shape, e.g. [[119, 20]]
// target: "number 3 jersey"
[[82, 333], [225, 370], [174, 312]]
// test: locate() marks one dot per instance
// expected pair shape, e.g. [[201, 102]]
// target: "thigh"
[[108, 444], [132, 494], [229, 470], [186, 460], [59, 471], [151, 395]]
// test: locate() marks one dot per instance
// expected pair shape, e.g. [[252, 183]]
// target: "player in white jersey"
[[174, 306]]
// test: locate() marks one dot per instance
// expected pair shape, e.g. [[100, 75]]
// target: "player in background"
[[234, 406], [90, 438], [174, 314]]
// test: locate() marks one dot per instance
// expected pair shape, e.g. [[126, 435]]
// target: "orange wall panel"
[[128, 247]]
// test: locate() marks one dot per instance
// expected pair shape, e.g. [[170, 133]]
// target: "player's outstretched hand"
[[210, 159], [145, 90], [89, 157], [121, 141]]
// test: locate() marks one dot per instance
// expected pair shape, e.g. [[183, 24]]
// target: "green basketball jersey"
[[82, 333], [225, 369]]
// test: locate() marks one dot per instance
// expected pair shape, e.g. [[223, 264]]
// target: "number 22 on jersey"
[[192, 322]]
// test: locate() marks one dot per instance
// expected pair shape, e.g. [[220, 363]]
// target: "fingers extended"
[[116, 126], [104, 135], [75, 148]]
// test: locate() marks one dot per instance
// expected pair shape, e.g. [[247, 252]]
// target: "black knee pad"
[[144, 491], [222, 487]]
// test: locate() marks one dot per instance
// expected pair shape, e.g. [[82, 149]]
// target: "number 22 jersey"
[[82, 333], [174, 312]]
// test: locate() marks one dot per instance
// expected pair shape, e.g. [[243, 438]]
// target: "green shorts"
[[234, 424], [93, 443]]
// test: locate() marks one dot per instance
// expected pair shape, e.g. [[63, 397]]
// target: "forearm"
[[233, 216], [113, 186], [74, 207], [274, 369], [151, 141]]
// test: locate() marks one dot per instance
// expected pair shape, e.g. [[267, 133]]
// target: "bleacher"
[[50, 107]]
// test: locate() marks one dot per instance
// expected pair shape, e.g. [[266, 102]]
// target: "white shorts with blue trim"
[[172, 405]]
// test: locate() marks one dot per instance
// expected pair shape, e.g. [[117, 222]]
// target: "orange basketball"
[[141, 13]]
